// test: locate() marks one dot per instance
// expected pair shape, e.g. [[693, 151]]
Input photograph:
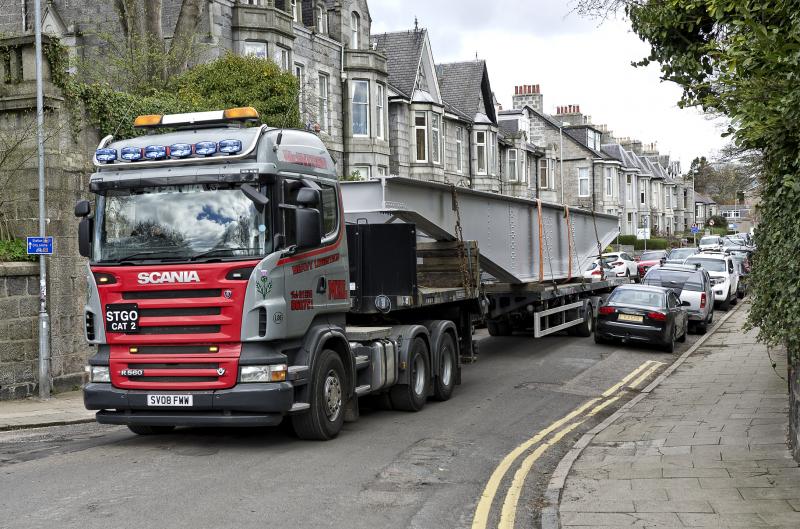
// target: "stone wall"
[[19, 333], [794, 405]]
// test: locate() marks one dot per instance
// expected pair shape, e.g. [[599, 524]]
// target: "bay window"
[[379, 110], [360, 108], [421, 135], [512, 165], [459, 149], [480, 150], [435, 137]]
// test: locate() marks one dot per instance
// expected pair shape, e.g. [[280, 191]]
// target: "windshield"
[[709, 240], [712, 265], [643, 298], [179, 223], [675, 279], [653, 256], [682, 253]]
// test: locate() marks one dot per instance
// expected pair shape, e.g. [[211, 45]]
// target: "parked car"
[[692, 284], [650, 259], [679, 255], [741, 255], [724, 277], [623, 264], [642, 313], [599, 270], [744, 271], [711, 242], [733, 241]]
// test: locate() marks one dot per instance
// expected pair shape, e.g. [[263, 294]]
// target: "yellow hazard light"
[[213, 349], [241, 113], [148, 120], [134, 349]]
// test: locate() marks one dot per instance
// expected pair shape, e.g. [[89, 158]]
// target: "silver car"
[[692, 284]]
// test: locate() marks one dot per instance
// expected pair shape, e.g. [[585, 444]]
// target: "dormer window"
[[355, 25]]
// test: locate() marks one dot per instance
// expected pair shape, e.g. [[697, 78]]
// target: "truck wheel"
[[498, 327], [587, 326], [445, 381], [325, 416], [140, 429], [411, 396]]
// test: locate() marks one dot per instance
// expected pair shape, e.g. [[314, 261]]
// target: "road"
[[389, 469]]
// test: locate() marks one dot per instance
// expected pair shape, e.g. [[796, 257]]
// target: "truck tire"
[[585, 328], [411, 396], [325, 416], [498, 327], [140, 429], [444, 382]]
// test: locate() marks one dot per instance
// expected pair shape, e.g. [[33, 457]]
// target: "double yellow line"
[[580, 414]]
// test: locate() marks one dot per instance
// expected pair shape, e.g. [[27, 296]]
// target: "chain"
[[462, 256]]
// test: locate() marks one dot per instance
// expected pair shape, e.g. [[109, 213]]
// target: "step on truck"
[[234, 281]]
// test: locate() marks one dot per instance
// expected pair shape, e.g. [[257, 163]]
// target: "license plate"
[[122, 317], [169, 400], [630, 317]]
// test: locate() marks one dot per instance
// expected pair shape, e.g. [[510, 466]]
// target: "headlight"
[[99, 374], [273, 373]]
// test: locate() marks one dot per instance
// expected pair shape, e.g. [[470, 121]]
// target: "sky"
[[575, 61]]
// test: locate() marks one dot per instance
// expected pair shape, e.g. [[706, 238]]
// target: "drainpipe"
[[469, 155], [561, 163], [594, 192]]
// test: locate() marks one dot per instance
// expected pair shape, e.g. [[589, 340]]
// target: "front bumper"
[[242, 405]]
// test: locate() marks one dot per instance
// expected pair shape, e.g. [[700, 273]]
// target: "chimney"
[[571, 115], [528, 94]]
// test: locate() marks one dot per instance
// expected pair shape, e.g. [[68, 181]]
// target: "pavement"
[[63, 408], [706, 446]]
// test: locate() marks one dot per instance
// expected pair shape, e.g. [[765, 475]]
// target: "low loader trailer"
[[233, 280]]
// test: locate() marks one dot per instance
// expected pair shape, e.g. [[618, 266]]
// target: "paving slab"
[[62, 408]]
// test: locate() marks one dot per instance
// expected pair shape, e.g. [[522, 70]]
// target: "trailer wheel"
[[498, 327], [411, 396], [445, 381], [587, 326], [325, 416], [141, 429]]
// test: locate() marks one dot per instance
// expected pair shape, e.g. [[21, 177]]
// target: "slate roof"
[[403, 50], [616, 151], [509, 126], [559, 125], [463, 84], [702, 198]]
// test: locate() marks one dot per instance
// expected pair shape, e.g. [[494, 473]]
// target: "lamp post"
[[44, 318]]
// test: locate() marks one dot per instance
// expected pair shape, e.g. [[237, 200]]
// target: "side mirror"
[[308, 197], [308, 228], [256, 197], [85, 237], [83, 208]]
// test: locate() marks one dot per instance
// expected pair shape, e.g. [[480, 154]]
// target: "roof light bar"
[[105, 155], [241, 113], [191, 118], [131, 154], [148, 120], [205, 148], [230, 146], [155, 152], [180, 150]]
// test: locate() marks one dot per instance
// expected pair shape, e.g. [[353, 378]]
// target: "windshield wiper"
[[148, 253], [218, 250]]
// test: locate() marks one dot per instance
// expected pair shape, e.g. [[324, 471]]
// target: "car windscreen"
[[709, 240], [652, 256], [641, 298], [675, 279], [712, 265]]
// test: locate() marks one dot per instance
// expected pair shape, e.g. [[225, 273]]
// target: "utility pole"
[[44, 318]]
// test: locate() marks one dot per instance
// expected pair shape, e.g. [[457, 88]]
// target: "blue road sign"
[[40, 245], [695, 229]]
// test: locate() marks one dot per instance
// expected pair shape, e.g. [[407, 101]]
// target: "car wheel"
[[670, 345], [325, 416], [600, 340], [701, 327], [726, 305], [682, 338]]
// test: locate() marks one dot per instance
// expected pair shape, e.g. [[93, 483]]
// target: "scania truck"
[[231, 282]]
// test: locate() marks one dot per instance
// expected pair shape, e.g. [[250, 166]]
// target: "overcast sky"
[[574, 60]]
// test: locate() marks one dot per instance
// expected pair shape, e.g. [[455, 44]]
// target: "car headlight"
[[273, 373], [99, 374]]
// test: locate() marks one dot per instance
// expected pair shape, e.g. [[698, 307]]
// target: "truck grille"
[[179, 329], [166, 373], [172, 294]]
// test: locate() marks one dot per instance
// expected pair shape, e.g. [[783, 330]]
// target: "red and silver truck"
[[233, 280]]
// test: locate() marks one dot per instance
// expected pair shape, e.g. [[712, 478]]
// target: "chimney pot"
[[536, 89], [529, 89]]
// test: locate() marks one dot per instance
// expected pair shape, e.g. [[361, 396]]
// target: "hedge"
[[652, 244]]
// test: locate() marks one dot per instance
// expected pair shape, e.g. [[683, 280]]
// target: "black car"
[[641, 313]]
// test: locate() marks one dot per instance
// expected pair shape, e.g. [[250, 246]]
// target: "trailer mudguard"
[[437, 329], [404, 335]]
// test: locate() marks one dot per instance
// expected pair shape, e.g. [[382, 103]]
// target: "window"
[[295, 16], [544, 174], [281, 56], [379, 110], [512, 165], [329, 210], [492, 153], [628, 188], [421, 135], [360, 108], [459, 149], [643, 193], [630, 222], [355, 23], [300, 73], [480, 150], [383, 170], [583, 181], [363, 171], [609, 181], [322, 104], [435, 137], [523, 170], [256, 49], [322, 20]]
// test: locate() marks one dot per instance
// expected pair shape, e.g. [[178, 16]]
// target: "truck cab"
[[217, 277]]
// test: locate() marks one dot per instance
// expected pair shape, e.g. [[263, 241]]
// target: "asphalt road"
[[389, 469]]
